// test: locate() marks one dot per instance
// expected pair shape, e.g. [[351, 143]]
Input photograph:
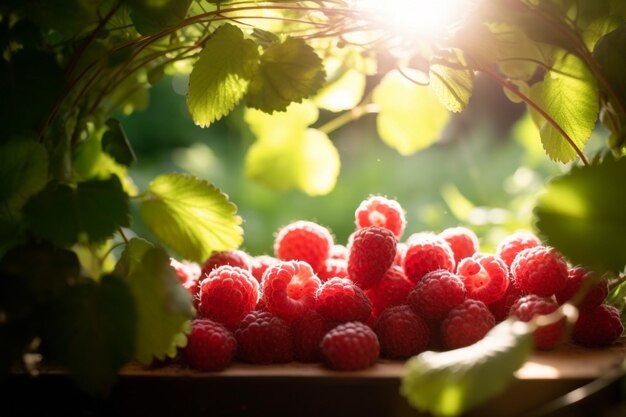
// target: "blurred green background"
[[484, 173]]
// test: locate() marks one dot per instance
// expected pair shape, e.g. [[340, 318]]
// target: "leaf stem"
[[347, 117], [121, 231], [511, 87]]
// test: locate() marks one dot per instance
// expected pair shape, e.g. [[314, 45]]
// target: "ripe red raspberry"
[[466, 324], [401, 333], [289, 289], [340, 300], [540, 270], [598, 326], [303, 241], [333, 268], [575, 279], [210, 346], [236, 258], [189, 274], [501, 308], [400, 252], [510, 246], [260, 264], [426, 254], [381, 212], [350, 347], [264, 338], [485, 277], [307, 331], [372, 252], [338, 252], [227, 295], [392, 290], [546, 337], [462, 241], [436, 294]]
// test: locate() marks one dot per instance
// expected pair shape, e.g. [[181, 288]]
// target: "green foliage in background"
[[71, 69]]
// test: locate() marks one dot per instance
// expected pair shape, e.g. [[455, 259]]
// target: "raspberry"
[[401, 332], [338, 252], [260, 264], [575, 279], [307, 331], [425, 254], [372, 252], [303, 241], [350, 347], [339, 299], [546, 337], [462, 241], [400, 252], [466, 324], [381, 212], [333, 268], [227, 295], [289, 289], [510, 246], [500, 309], [436, 294], [598, 326], [264, 338], [236, 258], [392, 290], [210, 346], [189, 274], [485, 277], [540, 270]]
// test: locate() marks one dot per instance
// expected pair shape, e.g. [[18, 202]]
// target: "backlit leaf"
[[453, 382], [452, 86], [92, 211], [612, 62], [569, 95], [191, 216], [152, 16], [582, 215], [116, 144], [344, 89], [163, 306], [221, 75], [289, 72], [412, 123]]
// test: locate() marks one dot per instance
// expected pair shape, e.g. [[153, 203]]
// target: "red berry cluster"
[[376, 296]]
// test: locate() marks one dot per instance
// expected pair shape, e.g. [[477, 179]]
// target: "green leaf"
[[92, 211], [116, 144], [91, 331], [612, 62], [344, 88], [598, 28], [451, 383], [163, 306], [69, 17], [153, 16], [452, 86], [569, 95], [288, 154], [289, 72], [191, 216], [24, 172], [582, 215], [412, 123], [221, 75]]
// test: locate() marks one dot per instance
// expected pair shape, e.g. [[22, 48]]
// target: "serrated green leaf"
[[452, 86], [163, 306], [569, 95], [288, 154], [611, 62], [598, 28], [92, 211], [582, 215], [412, 123], [152, 16], [344, 89], [289, 72], [24, 172], [451, 383], [221, 75], [91, 331], [191, 216], [116, 144]]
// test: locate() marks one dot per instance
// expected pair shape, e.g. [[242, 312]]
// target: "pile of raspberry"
[[347, 306]]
